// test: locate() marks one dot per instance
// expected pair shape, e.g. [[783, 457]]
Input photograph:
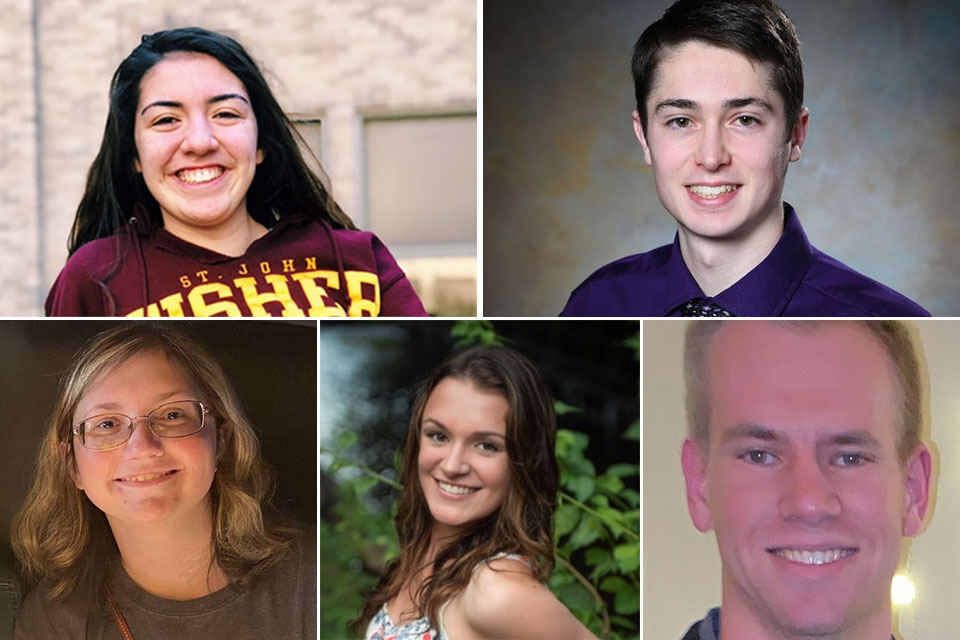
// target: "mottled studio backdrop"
[[566, 190]]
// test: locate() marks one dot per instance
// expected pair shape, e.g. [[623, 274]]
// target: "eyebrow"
[[475, 434], [160, 399], [179, 105], [732, 103], [750, 431]]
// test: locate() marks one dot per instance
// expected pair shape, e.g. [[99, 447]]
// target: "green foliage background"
[[596, 526]]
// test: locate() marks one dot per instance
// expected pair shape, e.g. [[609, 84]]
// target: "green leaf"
[[581, 486], [599, 500], [562, 408], [622, 470], [613, 584], [565, 519], [631, 496], [336, 466], [346, 439], [633, 431], [559, 578], [587, 531], [574, 440], [610, 484], [473, 332], [575, 597], [606, 567], [596, 555], [623, 622], [364, 484], [627, 601], [627, 557]]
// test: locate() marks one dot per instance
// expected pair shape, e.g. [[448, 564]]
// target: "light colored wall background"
[[566, 190], [339, 61], [681, 567]]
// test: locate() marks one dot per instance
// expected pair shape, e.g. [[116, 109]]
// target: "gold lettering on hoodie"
[[255, 298]]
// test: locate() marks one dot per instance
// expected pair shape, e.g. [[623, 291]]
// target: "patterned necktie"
[[701, 308]]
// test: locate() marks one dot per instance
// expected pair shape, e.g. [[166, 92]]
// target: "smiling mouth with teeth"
[[147, 476], [712, 192], [456, 489], [199, 176], [826, 556]]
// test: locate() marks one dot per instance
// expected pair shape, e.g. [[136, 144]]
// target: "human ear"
[[799, 134], [136, 165], [917, 494], [259, 156], [638, 129], [694, 464]]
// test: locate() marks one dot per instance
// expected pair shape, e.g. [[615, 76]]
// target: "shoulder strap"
[[118, 617], [511, 556]]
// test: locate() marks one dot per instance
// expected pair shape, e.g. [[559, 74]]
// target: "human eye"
[[103, 424], [747, 121], [488, 447], [164, 122], [850, 459], [227, 115], [679, 122], [759, 457], [435, 436]]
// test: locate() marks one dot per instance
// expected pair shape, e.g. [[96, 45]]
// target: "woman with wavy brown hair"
[[148, 515], [474, 519]]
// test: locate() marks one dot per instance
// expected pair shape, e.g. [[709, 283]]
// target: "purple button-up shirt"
[[795, 279]]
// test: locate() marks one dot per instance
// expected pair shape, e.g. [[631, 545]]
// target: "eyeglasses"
[[171, 420]]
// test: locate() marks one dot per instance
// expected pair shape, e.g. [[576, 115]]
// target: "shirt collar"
[[763, 291]]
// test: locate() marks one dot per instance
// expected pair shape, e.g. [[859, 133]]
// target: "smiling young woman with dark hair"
[[474, 520], [199, 202]]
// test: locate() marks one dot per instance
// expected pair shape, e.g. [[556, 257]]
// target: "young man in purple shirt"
[[719, 91]]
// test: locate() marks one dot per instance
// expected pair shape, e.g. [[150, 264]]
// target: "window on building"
[[421, 181]]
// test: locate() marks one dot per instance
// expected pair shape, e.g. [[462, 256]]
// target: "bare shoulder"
[[504, 600]]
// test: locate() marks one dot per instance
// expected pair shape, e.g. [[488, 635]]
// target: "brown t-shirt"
[[282, 603]]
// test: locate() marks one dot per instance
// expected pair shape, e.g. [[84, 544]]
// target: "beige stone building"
[[384, 91]]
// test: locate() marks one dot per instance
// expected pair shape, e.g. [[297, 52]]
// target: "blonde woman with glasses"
[[146, 518]]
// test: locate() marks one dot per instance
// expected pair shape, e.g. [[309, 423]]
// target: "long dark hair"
[[283, 183], [522, 524]]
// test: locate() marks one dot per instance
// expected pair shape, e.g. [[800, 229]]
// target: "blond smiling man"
[[719, 96], [805, 457]]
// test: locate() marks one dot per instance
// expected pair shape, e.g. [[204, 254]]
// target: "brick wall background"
[[331, 60]]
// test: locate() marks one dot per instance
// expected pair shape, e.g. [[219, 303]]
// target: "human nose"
[[143, 442], [711, 152], [455, 462], [199, 136], [808, 494]]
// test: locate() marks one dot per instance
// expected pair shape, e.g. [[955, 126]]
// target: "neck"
[[440, 536], [172, 560], [718, 263], [231, 238]]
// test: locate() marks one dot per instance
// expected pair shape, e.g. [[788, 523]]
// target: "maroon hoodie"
[[297, 269]]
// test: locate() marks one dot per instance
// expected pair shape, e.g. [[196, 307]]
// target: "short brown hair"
[[758, 29], [894, 335]]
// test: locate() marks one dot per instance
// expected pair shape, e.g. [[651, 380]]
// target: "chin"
[[812, 620]]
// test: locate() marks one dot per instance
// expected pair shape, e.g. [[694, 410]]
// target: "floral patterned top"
[[381, 627]]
